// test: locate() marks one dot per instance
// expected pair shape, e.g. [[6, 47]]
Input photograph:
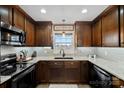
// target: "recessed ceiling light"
[[84, 11], [43, 11]]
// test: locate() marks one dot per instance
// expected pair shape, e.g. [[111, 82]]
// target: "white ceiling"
[[56, 13]]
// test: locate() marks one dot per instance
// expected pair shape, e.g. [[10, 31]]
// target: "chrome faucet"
[[62, 52]]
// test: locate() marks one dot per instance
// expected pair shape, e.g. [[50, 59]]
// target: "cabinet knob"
[[55, 63], [121, 86]]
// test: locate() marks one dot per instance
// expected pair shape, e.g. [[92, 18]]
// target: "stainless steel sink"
[[63, 57]]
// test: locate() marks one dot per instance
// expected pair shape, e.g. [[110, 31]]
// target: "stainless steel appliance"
[[11, 35], [22, 74], [7, 64], [100, 78]]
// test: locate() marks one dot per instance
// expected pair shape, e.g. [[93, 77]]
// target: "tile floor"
[[63, 86]]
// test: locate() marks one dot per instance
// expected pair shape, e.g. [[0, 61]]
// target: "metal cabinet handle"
[[72, 63], [55, 63]]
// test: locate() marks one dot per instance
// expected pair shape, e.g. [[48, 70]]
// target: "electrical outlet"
[[106, 53]]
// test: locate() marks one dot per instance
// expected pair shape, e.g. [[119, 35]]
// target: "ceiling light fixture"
[[43, 11], [84, 11]]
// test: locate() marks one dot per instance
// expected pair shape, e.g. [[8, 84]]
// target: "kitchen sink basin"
[[63, 58]]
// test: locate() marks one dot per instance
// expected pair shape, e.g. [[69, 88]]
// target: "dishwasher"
[[100, 78]]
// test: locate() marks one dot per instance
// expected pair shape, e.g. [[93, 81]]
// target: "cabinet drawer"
[[55, 64], [72, 64]]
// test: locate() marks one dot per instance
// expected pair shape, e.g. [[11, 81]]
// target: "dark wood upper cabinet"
[[6, 13], [44, 34], [83, 32], [122, 26], [97, 33], [18, 19], [110, 29], [30, 33]]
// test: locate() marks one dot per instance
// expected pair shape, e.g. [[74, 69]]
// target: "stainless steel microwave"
[[11, 35]]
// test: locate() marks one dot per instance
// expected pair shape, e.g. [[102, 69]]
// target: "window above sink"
[[63, 39]]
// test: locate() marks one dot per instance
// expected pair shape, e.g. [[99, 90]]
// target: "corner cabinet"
[[97, 33], [42, 72], [83, 32], [43, 34], [84, 72], [110, 29]]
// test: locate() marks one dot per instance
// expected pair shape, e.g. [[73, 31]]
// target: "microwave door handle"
[[20, 39], [24, 37]]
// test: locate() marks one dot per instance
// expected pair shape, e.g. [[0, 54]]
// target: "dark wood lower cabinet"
[[84, 72], [6, 84], [62, 72], [72, 72], [3, 85], [56, 72], [117, 83], [41, 72]]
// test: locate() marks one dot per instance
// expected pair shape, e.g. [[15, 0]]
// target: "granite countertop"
[[115, 68]]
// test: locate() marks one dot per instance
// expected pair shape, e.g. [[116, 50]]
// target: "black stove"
[[8, 64]]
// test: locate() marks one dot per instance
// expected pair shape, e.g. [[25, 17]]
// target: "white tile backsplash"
[[114, 54], [45, 51], [7, 50]]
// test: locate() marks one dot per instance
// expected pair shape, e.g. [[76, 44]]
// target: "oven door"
[[25, 79]]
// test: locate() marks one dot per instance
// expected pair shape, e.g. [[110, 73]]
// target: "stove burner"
[[8, 64], [8, 71]]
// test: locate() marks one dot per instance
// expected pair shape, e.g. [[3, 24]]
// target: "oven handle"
[[23, 74]]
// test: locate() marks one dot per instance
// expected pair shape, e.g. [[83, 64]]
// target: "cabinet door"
[[84, 72], [72, 72], [43, 34], [110, 29], [117, 83], [3, 85], [6, 13], [41, 72], [18, 19], [97, 33], [56, 72], [30, 33], [83, 31], [122, 26]]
